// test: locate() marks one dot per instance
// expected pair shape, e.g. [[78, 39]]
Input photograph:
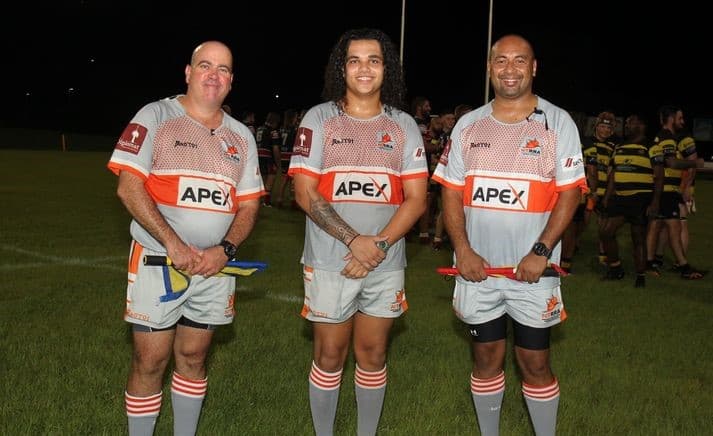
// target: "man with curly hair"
[[360, 174]]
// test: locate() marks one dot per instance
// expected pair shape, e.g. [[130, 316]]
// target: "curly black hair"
[[393, 90]]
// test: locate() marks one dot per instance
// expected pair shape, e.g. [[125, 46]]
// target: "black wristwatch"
[[541, 249], [229, 248]]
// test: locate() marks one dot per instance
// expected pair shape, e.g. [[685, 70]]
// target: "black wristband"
[[350, 242]]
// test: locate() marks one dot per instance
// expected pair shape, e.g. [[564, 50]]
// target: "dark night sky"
[[117, 56]]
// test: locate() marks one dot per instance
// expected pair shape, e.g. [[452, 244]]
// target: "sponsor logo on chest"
[[385, 140], [530, 147], [362, 187], [231, 151], [500, 194], [204, 194]]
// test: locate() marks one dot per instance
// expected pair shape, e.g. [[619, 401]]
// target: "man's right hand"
[[363, 248], [185, 257], [471, 266]]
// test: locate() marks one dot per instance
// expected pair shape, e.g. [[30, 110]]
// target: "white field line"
[[99, 263], [59, 260]]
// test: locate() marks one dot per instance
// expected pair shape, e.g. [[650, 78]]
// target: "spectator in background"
[[290, 122], [421, 112], [580, 220], [172, 149], [633, 194], [269, 141], [688, 182], [461, 110], [247, 117], [509, 191], [687, 205], [668, 150], [432, 144], [448, 120], [361, 197], [601, 140]]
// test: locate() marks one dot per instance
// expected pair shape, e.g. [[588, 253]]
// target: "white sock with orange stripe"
[[542, 403], [142, 413], [370, 388], [488, 398], [323, 398], [187, 400]]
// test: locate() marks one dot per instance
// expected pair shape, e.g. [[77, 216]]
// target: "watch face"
[[383, 246], [229, 249], [541, 249]]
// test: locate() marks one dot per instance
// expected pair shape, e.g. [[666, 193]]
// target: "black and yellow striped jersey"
[[687, 145], [666, 145], [632, 166], [604, 151], [589, 152]]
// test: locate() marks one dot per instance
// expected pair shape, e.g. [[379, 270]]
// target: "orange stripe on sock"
[[323, 379], [370, 380], [142, 406], [187, 387], [487, 386], [541, 393]]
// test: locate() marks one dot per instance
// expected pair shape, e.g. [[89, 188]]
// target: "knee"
[[488, 358], [371, 356], [536, 372], [191, 358], [149, 364], [330, 359]]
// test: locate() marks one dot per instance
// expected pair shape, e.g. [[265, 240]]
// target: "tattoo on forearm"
[[327, 218]]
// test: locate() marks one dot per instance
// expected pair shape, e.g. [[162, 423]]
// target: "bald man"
[[188, 175]]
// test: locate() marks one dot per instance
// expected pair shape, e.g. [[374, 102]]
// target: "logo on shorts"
[[400, 301], [230, 306], [553, 309], [135, 315]]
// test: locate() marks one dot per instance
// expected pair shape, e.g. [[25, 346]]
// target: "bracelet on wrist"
[[350, 242]]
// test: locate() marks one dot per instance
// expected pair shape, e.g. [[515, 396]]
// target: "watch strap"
[[229, 249]]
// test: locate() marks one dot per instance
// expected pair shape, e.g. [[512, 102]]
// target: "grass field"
[[630, 361]]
